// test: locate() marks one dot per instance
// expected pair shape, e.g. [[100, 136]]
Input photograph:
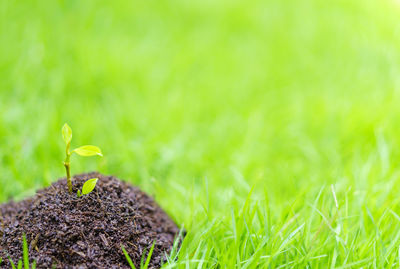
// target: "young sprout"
[[87, 150], [87, 187], [25, 256]]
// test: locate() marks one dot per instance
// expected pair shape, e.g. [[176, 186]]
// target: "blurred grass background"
[[199, 102]]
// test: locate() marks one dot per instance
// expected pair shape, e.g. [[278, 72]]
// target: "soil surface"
[[64, 231]]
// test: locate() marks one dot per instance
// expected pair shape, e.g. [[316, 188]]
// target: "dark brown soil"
[[64, 231]]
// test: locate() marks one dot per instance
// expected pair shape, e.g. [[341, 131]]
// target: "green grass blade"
[[142, 260], [149, 256], [25, 252], [12, 263], [128, 258], [176, 248]]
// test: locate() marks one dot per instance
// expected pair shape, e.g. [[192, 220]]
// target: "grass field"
[[269, 129]]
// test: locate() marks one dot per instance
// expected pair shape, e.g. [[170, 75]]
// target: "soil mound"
[[64, 231]]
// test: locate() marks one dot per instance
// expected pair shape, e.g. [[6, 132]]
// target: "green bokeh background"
[[198, 102]]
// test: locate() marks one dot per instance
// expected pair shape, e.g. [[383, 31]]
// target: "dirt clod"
[[64, 231]]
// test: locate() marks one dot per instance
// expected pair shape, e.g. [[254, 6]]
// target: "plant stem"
[[67, 169], [69, 182]]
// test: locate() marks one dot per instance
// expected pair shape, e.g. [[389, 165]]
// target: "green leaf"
[[88, 150], [78, 193], [129, 260], [89, 186], [67, 134]]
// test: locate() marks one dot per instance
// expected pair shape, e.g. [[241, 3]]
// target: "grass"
[[25, 260], [268, 129], [143, 264]]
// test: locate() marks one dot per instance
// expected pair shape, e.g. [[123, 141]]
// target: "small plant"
[[143, 265], [128, 258], [87, 150], [25, 255], [87, 187]]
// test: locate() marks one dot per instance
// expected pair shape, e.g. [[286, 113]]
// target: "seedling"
[[142, 265], [25, 260], [128, 258], [87, 187], [87, 150]]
